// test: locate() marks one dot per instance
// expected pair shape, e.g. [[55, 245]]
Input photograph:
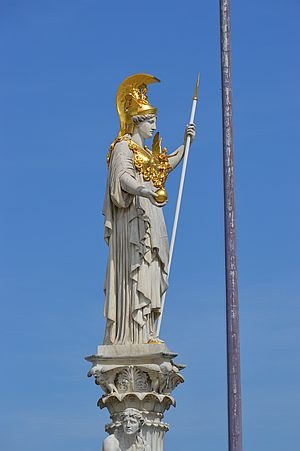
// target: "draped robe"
[[136, 275]]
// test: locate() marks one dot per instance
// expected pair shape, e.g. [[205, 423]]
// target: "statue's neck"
[[136, 137], [127, 441]]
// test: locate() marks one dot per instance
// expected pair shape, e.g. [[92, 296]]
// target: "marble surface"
[[139, 377]]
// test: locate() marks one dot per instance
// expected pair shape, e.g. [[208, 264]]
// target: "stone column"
[[137, 381]]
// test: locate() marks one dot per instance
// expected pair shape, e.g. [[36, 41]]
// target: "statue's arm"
[[123, 171], [131, 186], [176, 157], [123, 177]]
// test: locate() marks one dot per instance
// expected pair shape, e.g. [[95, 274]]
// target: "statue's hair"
[[119, 418], [115, 426], [133, 413], [138, 119]]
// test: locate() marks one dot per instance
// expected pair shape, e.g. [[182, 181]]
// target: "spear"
[[187, 146]]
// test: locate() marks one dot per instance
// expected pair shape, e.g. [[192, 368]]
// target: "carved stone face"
[[147, 128], [131, 424]]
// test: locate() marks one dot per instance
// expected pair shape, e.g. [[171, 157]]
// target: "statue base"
[[137, 380]]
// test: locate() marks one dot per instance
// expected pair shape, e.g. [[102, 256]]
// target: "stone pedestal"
[[137, 380]]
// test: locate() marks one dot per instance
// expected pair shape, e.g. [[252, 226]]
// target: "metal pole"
[[232, 309]]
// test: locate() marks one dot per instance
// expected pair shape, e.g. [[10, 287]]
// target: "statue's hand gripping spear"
[[180, 191]]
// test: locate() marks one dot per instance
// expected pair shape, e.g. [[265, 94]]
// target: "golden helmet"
[[132, 100]]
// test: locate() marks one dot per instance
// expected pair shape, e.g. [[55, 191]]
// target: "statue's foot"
[[155, 341]]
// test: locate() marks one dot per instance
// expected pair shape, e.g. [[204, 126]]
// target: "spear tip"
[[195, 97]]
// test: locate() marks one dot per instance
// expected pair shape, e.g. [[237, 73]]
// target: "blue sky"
[[61, 63]]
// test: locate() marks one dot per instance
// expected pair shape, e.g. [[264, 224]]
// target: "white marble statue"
[[127, 436], [135, 230]]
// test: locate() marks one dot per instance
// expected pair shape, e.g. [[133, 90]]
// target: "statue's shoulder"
[[121, 145], [111, 443]]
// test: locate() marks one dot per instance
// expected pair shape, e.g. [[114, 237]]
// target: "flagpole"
[[179, 196], [232, 305]]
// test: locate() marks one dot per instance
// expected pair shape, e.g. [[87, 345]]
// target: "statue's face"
[[130, 424], [147, 127]]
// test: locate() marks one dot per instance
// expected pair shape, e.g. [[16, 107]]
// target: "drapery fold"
[[136, 275]]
